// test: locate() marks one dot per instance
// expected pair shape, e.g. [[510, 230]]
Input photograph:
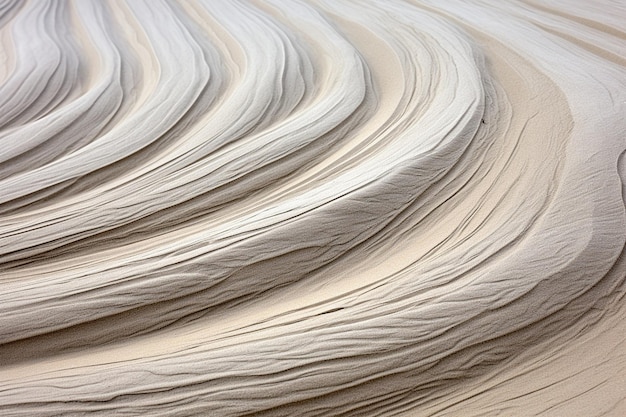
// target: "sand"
[[312, 208]]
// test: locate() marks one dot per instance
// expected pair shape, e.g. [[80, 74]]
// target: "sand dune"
[[312, 208]]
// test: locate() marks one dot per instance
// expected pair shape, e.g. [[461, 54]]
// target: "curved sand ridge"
[[312, 208]]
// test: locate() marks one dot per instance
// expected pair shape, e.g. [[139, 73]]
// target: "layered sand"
[[312, 208]]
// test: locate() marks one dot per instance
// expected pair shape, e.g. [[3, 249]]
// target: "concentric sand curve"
[[312, 208]]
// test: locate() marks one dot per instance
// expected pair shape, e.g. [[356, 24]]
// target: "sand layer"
[[312, 208]]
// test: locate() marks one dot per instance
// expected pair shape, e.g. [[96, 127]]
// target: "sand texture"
[[312, 208]]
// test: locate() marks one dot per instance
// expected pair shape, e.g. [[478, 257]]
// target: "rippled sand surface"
[[312, 208]]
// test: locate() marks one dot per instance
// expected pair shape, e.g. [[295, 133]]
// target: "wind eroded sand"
[[312, 208]]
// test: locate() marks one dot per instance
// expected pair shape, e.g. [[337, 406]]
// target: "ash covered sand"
[[366, 208]]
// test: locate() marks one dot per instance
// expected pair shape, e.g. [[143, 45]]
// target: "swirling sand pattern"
[[312, 208]]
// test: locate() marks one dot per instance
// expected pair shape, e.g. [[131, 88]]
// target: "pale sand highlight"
[[312, 208]]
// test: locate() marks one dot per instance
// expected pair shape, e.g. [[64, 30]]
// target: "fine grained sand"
[[312, 208]]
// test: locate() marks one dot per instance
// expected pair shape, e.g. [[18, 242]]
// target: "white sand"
[[313, 208]]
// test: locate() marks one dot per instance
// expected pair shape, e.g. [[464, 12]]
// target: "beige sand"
[[312, 208]]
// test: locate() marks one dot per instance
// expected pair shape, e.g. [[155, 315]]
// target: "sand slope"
[[312, 208]]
